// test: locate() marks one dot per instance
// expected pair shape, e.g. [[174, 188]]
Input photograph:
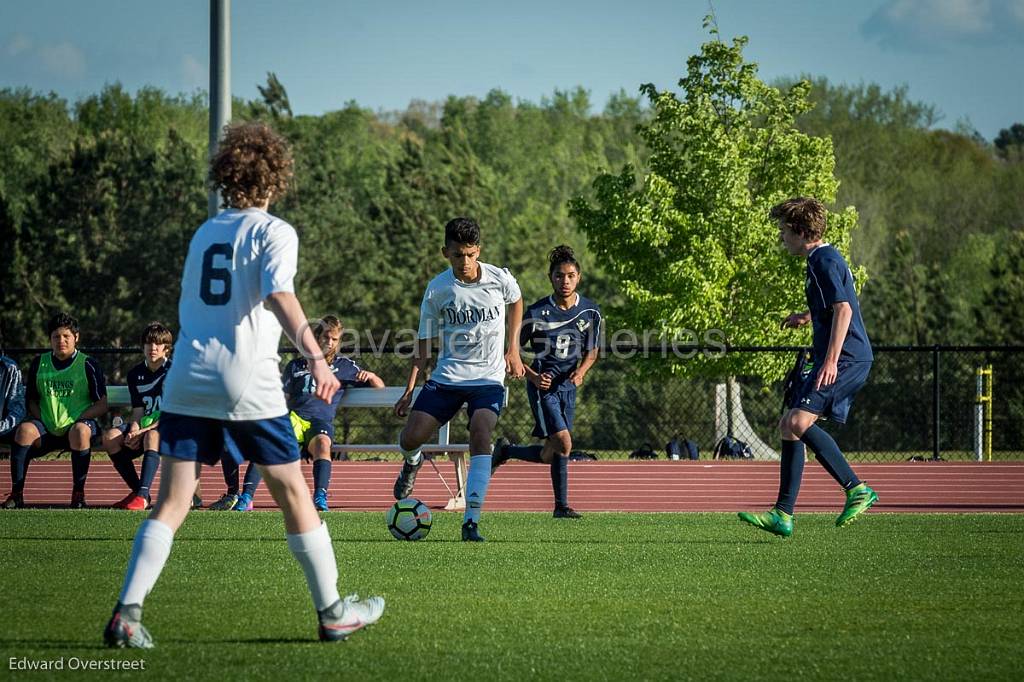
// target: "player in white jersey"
[[464, 307], [223, 393]]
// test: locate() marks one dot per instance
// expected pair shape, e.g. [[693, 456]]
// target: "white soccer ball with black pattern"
[[409, 519]]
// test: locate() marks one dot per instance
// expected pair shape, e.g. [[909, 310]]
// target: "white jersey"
[[470, 321], [225, 358]]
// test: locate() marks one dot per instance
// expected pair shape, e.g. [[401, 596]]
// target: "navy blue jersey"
[[93, 372], [560, 338], [146, 387], [829, 281], [300, 388]]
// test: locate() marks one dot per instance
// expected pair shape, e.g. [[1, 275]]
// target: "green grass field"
[[614, 596]]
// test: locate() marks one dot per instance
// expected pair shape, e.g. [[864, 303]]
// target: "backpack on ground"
[[645, 451], [732, 448]]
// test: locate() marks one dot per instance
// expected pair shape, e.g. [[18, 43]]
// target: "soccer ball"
[[409, 519]]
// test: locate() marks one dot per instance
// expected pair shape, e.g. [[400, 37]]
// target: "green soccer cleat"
[[858, 500], [774, 521], [225, 503]]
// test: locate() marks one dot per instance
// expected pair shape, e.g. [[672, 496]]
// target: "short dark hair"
[[562, 254], [804, 215], [61, 319], [157, 332], [462, 231]]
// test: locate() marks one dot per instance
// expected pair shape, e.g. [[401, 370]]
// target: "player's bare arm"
[[513, 362], [96, 410], [580, 372], [420, 360], [541, 381], [842, 314], [367, 377], [288, 311], [796, 320]]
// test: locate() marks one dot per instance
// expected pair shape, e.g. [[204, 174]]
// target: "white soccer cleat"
[[345, 616]]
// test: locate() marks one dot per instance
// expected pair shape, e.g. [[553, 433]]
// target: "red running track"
[[608, 486]]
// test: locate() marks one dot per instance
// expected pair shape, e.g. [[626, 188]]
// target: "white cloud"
[[194, 73], [17, 44], [932, 25], [63, 59]]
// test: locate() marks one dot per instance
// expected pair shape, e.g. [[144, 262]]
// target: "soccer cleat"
[[858, 500], [320, 500], [14, 501], [197, 502], [499, 453], [123, 502], [470, 534], [243, 503], [78, 500], [125, 629], [136, 503], [407, 479], [774, 521], [225, 503], [345, 616], [567, 513]]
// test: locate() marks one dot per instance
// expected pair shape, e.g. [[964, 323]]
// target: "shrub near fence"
[[621, 406]]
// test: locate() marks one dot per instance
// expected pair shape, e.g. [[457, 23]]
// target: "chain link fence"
[[919, 402]]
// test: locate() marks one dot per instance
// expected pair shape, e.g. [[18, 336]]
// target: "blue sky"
[[963, 56]]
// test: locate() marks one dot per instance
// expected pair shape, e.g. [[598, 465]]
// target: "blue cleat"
[[320, 500], [244, 503]]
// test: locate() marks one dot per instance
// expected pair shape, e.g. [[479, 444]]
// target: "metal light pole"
[[220, 80]]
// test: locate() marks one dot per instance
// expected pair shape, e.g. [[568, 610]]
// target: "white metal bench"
[[365, 398]]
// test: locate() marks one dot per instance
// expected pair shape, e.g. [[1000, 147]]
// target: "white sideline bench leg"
[[458, 503]]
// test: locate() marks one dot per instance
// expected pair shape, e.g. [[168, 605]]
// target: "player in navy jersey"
[[66, 393], [312, 418], [139, 435], [841, 361], [563, 331]]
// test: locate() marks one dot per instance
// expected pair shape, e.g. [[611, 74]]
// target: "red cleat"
[[123, 504], [137, 503]]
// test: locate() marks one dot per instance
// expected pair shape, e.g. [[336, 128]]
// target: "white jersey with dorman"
[[469, 319], [225, 358]]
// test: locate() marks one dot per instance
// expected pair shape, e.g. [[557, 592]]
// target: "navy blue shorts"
[[443, 401], [50, 442], [553, 411], [200, 439], [831, 402]]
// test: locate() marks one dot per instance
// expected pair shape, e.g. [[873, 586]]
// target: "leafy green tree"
[[691, 243]]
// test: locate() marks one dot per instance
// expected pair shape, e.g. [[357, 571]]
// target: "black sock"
[[527, 453], [560, 481], [230, 468], [321, 474], [125, 468], [80, 468], [830, 457], [252, 479], [790, 473], [150, 463], [19, 465]]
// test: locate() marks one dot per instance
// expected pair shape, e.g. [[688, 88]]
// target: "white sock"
[[315, 554], [476, 486], [411, 456], [149, 554]]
